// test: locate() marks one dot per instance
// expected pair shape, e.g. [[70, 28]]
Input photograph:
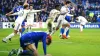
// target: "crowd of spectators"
[[7, 5], [87, 8]]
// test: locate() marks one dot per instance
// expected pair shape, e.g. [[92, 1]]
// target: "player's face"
[[64, 2], [27, 8], [68, 5], [48, 42], [31, 7]]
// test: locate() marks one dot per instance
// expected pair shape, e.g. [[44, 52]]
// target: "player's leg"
[[8, 37], [31, 50], [29, 28], [29, 25], [16, 28], [32, 47], [53, 28], [49, 26], [23, 27], [20, 32], [81, 26], [68, 18], [67, 33], [66, 26], [56, 27], [28, 45], [61, 31]]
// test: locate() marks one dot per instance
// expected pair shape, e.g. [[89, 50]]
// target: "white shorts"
[[30, 22], [17, 26], [61, 20], [83, 23]]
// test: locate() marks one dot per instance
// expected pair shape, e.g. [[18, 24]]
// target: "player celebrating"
[[21, 17], [52, 16], [68, 18], [29, 41], [30, 18], [16, 9], [61, 19], [82, 21]]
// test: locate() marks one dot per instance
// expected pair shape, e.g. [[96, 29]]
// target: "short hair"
[[68, 2], [25, 6], [49, 39], [30, 5], [57, 6]]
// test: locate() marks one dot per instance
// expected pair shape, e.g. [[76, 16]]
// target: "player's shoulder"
[[63, 7], [54, 10], [26, 10], [39, 32]]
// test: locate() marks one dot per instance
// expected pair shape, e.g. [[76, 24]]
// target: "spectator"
[[91, 15]]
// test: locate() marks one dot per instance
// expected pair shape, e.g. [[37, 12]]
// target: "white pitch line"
[[53, 42], [61, 42], [4, 51]]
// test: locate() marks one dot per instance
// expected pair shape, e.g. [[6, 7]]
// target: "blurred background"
[[87, 8]]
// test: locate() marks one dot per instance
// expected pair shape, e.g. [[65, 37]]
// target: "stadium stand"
[[84, 7]]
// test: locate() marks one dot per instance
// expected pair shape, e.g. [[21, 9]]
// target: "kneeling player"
[[29, 41], [82, 21]]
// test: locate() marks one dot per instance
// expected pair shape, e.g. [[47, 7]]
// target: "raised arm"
[[34, 11], [17, 13], [11, 11], [25, 3]]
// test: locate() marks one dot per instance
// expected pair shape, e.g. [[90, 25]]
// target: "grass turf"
[[86, 43]]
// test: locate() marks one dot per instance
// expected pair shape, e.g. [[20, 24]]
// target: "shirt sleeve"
[[17, 13], [69, 14], [34, 11], [58, 12]]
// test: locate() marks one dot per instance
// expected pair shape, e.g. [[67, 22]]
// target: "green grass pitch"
[[86, 43]]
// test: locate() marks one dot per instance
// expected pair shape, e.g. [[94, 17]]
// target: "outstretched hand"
[[7, 14]]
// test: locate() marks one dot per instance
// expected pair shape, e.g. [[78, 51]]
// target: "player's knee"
[[20, 30], [66, 25], [49, 25], [15, 31]]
